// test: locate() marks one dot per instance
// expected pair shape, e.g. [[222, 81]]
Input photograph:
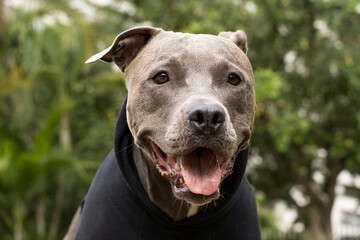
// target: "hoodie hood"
[[123, 142], [117, 206]]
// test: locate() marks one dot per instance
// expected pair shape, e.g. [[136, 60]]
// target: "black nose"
[[206, 117]]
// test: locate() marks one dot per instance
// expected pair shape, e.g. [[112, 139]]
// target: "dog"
[[181, 141]]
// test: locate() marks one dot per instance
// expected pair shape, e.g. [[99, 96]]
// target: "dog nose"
[[206, 117]]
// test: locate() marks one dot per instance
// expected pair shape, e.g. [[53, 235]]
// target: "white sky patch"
[[28, 6], [297, 194], [293, 63], [318, 177], [14, 3], [321, 153], [326, 32], [79, 5], [285, 215], [290, 57], [334, 70], [251, 7], [357, 181], [58, 17], [302, 112], [321, 26], [345, 178], [102, 2], [237, 2], [255, 160], [84, 8], [41, 21], [121, 6], [314, 117], [283, 30], [357, 8], [126, 7]]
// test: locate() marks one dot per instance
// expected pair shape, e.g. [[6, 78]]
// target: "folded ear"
[[238, 37], [126, 46]]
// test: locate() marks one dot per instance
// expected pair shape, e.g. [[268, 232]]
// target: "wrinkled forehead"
[[197, 49], [197, 44]]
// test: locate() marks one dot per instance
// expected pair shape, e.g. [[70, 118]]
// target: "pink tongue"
[[201, 171]]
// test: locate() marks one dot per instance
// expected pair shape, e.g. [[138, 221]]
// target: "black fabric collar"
[[123, 142]]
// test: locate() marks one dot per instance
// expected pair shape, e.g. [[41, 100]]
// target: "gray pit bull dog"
[[190, 110]]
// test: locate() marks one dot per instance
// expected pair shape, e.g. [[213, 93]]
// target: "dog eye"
[[161, 78], [234, 79]]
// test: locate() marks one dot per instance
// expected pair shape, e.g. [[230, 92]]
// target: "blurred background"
[[57, 114]]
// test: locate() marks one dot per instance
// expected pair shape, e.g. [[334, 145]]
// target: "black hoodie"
[[117, 206]]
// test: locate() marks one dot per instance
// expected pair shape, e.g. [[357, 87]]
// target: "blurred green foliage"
[[57, 114]]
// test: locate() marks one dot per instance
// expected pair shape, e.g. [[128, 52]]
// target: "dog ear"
[[238, 37], [126, 46]]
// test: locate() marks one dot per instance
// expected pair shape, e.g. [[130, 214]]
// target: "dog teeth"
[[177, 167]]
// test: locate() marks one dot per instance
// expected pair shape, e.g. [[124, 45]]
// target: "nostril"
[[218, 118], [206, 117], [196, 116], [200, 117]]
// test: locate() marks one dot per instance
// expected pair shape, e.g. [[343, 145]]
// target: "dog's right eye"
[[161, 78]]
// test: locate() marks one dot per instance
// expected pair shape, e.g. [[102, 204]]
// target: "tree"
[[307, 123], [304, 55], [44, 85], [307, 128]]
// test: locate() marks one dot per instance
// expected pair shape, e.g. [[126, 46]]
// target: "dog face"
[[191, 104]]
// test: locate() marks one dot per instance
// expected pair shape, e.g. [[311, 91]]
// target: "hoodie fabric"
[[117, 206]]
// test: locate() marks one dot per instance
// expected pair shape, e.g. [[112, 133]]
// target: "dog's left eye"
[[234, 79], [161, 78]]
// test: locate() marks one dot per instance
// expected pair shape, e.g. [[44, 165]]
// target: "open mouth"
[[200, 171]]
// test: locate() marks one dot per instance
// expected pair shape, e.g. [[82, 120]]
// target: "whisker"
[[122, 150], [173, 201], [181, 204], [206, 207]]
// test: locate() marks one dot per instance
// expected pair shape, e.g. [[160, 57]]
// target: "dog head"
[[191, 103]]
